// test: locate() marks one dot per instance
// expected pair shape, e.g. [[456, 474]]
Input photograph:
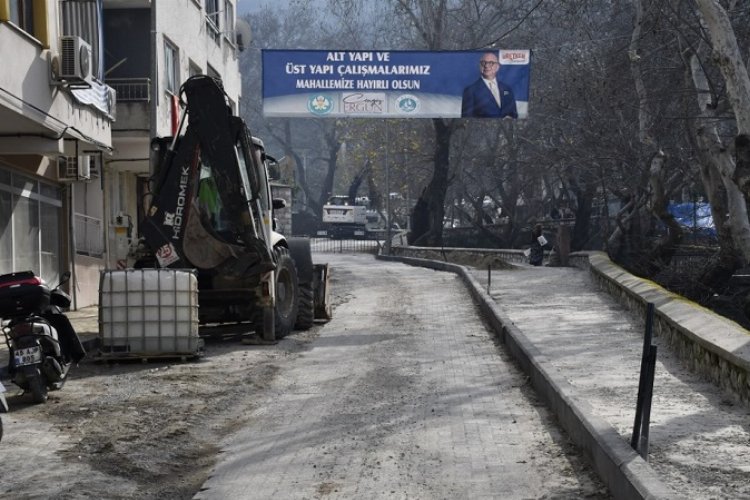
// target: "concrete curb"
[[710, 344], [624, 472]]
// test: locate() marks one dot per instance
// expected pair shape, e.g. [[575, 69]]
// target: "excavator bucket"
[[322, 306]]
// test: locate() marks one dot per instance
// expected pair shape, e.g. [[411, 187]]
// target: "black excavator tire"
[[287, 293]]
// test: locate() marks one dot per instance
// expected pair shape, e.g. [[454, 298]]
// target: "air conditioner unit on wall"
[[74, 168], [94, 162], [84, 167], [112, 102], [75, 60]]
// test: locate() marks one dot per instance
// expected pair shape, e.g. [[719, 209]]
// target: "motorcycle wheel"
[[37, 386]]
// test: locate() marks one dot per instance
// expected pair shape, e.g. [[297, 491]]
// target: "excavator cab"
[[211, 209], [210, 206]]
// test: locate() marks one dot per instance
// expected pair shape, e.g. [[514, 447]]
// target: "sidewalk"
[[699, 437], [582, 351], [85, 321]]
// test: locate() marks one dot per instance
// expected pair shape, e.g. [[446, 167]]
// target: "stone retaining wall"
[[419, 252], [711, 344]]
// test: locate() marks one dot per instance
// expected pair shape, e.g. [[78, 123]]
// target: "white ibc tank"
[[148, 312]]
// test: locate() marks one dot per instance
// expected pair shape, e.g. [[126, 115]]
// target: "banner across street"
[[396, 84]]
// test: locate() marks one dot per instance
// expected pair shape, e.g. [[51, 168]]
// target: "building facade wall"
[[28, 90], [43, 119], [199, 48]]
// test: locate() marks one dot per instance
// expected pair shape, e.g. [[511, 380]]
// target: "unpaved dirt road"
[[402, 395]]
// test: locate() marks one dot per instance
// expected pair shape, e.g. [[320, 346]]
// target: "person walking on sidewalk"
[[538, 241]]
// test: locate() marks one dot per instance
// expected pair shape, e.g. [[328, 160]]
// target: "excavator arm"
[[209, 198], [211, 210]]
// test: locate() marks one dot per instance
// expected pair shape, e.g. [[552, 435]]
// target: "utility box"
[[148, 313]]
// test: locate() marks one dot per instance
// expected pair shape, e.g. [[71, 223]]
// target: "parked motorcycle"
[[42, 343]]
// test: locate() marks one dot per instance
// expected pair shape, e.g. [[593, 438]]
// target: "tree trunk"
[[326, 190], [429, 211], [629, 241], [582, 226], [357, 181], [662, 252], [729, 59], [742, 164], [715, 156]]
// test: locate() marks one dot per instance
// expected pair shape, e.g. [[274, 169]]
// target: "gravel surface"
[[404, 395], [392, 416], [136, 430]]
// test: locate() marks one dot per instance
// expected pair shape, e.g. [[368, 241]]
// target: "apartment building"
[[152, 47], [84, 86], [56, 115]]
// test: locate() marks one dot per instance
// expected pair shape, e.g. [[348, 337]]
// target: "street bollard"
[[645, 424], [639, 439]]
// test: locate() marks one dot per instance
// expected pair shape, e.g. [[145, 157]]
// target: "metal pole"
[[154, 97], [73, 285], [387, 196], [489, 278], [643, 381], [645, 424]]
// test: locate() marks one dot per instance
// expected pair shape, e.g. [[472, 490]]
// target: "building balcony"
[[131, 89], [133, 98]]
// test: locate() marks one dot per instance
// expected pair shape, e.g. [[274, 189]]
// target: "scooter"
[[42, 343]]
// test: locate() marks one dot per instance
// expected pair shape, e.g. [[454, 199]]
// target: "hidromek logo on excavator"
[[175, 219]]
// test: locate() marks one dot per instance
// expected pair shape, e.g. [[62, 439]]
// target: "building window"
[[213, 13], [210, 71], [229, 21], [171, 68], [89, 229], [30, 222], [22, 14]]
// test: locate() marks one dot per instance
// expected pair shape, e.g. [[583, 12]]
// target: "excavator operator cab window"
[[209, 198], [244, 178], [262, 175]]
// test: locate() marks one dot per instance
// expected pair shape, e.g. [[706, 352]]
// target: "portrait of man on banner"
[[488, 96]]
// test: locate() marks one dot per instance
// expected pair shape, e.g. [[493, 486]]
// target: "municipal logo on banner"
[[407, 103], [320, 104], [364, 103]]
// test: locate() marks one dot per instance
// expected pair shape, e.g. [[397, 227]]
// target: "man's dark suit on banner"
[[488, 97]]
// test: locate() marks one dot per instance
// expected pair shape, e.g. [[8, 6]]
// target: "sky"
[[245, 6]]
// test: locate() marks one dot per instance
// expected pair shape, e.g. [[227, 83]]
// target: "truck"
[[347, 218], [211, 210]]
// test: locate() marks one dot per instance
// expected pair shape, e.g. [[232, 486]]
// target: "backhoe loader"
[[211, 209]]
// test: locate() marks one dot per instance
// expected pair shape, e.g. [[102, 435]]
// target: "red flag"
[[175, 114]]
